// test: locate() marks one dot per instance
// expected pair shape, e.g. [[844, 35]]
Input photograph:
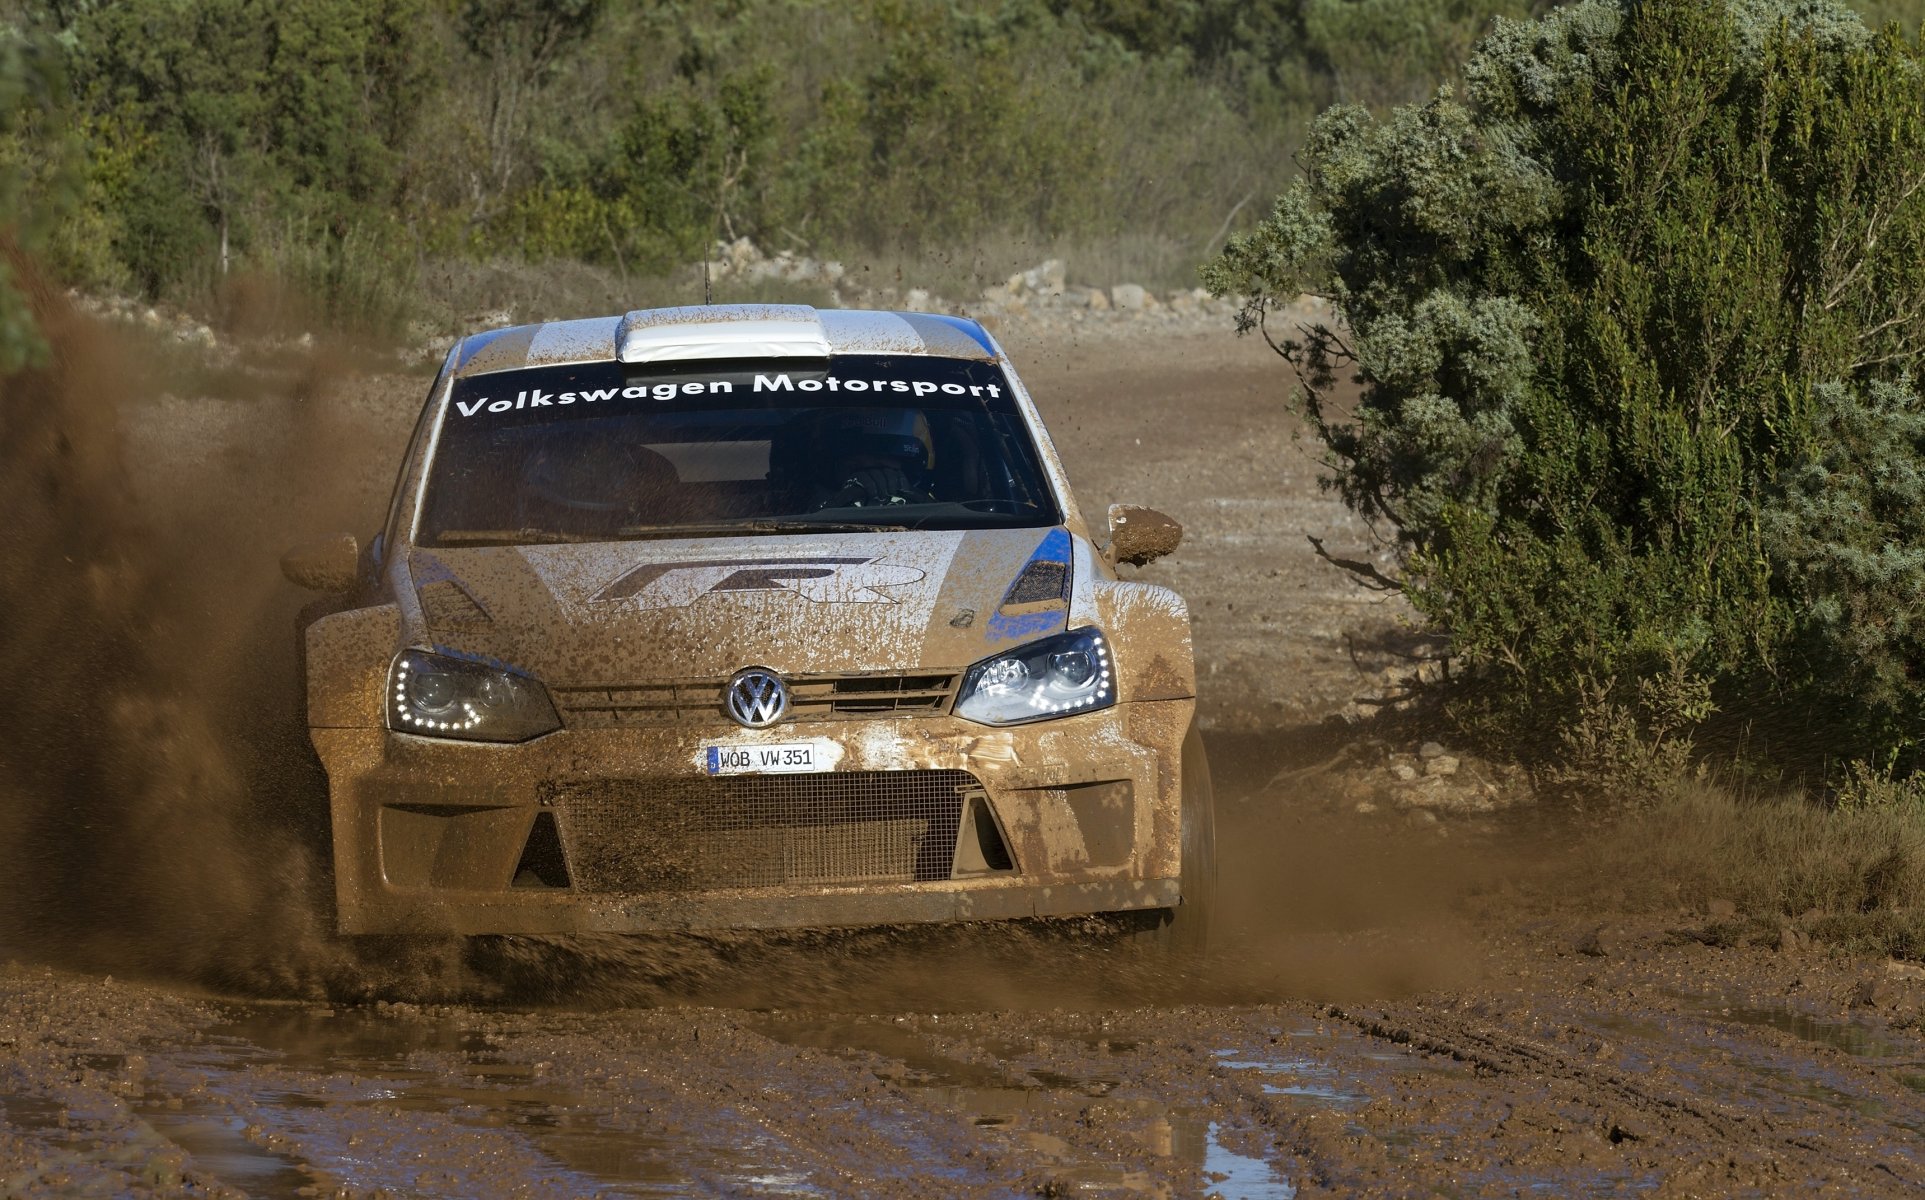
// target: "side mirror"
[[1141, 535], [330, 565]]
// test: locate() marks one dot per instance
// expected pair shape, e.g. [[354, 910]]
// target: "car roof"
[[723, 331]]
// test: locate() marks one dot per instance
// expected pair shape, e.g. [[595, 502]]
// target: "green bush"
[[36, 162], [237, 135], [1846, 530], [1604, 314]]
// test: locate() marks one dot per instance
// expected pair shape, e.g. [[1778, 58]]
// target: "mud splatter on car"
[[705, 618]]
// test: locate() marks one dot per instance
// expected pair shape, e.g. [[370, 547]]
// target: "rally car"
[[747, 616]]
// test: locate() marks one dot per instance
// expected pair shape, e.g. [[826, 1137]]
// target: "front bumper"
[[1074, 816]]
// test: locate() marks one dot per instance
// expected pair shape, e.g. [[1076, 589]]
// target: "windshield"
[[608, 452]]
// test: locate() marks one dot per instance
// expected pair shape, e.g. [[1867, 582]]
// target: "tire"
[[1183, 933]]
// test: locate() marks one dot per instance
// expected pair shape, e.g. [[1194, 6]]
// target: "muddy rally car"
[[749, 617]]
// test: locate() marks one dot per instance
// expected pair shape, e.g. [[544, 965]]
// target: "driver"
[[874, 457]]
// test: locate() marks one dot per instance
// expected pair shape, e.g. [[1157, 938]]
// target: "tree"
[[36, 180], [1599, 311], [253, 119]]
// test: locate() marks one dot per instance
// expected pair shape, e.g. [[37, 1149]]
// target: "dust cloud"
[[159, 813]]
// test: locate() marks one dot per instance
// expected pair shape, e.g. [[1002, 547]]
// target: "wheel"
[[1183, 932]]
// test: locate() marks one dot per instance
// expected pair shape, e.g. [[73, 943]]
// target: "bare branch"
[[1367, 574]]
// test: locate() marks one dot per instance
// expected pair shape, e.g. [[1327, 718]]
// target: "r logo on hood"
[[824, 580]]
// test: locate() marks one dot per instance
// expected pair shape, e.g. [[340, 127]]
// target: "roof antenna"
[[715, 240]]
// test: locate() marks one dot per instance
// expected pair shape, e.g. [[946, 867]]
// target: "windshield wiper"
[[752, 527], [513, 537]]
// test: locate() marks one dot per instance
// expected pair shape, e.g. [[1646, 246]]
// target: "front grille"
[[811, 698], [697, 833]]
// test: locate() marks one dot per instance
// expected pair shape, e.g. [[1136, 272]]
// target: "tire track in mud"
[[1776, 1139]]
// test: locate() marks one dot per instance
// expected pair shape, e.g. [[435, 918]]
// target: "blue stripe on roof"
[[965, 326]]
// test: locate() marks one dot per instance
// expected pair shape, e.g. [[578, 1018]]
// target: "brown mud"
[[1393, 1007]]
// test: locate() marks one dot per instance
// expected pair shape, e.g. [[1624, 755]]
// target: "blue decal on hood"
[[427, 569], [1054, 548]]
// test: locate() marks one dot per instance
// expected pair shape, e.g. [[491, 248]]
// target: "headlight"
[[1069, 673], [436, 696]]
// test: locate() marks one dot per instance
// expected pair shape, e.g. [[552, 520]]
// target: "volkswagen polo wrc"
[[749, 617]]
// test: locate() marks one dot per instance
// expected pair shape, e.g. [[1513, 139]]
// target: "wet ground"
[[1393, 1008], [1589, 1077]]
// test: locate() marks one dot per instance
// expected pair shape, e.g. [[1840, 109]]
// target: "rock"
[[1447, 795], [1430, 750], [1592, 942], [1403, 772], [1131, 297], [1099, 300], [1046, 278], [1442, 764], [915, 299], [1365, 808], [1903, 970], [1721, 910], [1422, 816], [737, 255], [1790, 939]]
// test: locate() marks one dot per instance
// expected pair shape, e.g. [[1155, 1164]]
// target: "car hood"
[[636, 612]]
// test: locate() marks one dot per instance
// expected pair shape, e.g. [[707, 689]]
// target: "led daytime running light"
[[485, 704], [1042, 690]]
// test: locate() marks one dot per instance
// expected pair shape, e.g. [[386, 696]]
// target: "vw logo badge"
[[756, 698]]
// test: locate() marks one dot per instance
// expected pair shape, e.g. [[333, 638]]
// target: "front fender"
[[1149, 627], [348, 654]]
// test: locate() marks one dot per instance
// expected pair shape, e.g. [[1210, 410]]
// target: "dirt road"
[[1398, 1007]]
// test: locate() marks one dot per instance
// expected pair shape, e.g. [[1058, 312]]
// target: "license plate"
[[770, 758]]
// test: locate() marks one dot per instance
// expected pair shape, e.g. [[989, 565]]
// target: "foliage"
[[346, 146], [35, 159], [233, 130], [1597, 310], [1846, 529]]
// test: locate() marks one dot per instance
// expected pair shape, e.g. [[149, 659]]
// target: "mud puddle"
[[996, 1091], [1811, 1078], [1848, 1037], [285, 1101]]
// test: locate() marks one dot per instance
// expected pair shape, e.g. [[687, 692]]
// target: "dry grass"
[[1851, 874]]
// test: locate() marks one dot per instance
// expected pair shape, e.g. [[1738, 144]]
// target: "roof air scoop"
[[724, 331]]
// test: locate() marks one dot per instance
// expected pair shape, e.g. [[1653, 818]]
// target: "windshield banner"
[[517, 397]]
